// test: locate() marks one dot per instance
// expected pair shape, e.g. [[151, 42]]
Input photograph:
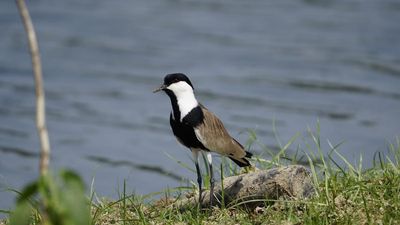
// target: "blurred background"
[[254, 63]]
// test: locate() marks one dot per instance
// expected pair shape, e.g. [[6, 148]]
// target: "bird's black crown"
[[176, 77]]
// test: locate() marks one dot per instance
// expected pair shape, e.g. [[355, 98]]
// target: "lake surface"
[[255, 64]]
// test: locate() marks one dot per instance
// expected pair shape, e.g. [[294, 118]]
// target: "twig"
[[40, 100]]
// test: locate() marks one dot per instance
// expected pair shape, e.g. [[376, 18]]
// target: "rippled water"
[[252, 63]]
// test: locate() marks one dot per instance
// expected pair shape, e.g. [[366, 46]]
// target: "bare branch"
[[40, 99]]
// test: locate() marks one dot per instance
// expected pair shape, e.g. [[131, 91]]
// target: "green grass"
[[345, 194]]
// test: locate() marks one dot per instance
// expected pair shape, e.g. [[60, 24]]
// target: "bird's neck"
[[182, 103]]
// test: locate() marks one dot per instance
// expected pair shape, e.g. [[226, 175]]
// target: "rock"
[[289, 182]]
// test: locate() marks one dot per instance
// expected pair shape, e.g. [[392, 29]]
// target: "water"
[[252, 63]]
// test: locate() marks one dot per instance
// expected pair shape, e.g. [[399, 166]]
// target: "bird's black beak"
[[161, 88]]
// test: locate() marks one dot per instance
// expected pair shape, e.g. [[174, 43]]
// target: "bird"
[[198, 129]]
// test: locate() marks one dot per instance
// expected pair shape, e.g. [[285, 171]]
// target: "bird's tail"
[[243, 162]]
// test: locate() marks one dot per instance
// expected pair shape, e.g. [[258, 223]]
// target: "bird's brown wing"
[[213, 135]]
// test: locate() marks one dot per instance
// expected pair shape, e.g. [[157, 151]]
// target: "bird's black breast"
[[194, 118], [184, 131]]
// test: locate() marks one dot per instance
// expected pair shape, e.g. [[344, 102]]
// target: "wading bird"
[[195, 127]]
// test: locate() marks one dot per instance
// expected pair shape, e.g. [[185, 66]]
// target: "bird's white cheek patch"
[[185, 97], [180, 87]]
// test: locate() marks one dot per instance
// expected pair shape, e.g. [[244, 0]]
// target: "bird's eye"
[[176, 80]]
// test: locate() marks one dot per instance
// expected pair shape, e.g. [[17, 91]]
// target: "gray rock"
[[289, 182]]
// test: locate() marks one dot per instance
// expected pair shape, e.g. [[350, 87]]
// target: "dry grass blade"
[[37, 72]]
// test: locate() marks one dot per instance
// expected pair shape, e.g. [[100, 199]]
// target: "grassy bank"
[[345, 194]]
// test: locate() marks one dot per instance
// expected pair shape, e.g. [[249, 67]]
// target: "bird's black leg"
[[199, 180], [209, 159]]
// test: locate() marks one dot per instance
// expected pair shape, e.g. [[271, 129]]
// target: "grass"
[[345, 194]]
